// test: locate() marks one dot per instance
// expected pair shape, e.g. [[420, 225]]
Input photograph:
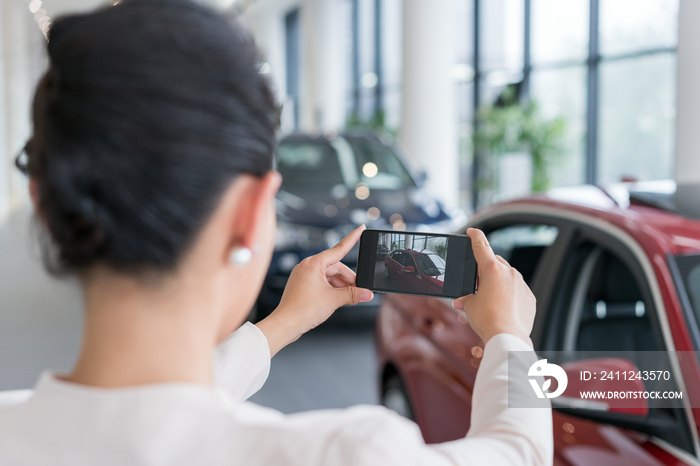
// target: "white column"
[[688, 94], [24, 42], [428, 121], [17, 79], [322, 104]]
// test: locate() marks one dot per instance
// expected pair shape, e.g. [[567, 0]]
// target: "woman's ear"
[[34, 193], [36, 203], [251, 218]]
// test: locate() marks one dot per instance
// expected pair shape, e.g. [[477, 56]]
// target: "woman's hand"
[[317, 286], [503, 302]]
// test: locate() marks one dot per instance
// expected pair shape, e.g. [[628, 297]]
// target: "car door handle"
[[427, 325]]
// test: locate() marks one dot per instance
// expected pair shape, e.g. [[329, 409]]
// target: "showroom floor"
[[40, 325]]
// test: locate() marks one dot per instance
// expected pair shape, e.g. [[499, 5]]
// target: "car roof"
[[413, 252], [656, 210]]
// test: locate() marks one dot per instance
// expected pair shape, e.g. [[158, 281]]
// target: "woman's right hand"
[[317, 286], [503, 302]]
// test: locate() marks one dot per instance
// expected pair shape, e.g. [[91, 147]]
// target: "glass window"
[[609, 313], [430, 264], [633, 25], [303, 165], [378, 166], [502, 33], [689, 267], [523, 245], [391, 62], [562, 93], [559, 30], [465, 127], [637, 117]]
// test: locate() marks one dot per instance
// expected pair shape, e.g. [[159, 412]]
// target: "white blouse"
[[61, 423]]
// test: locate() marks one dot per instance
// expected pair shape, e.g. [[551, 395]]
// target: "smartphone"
[[416, 263]]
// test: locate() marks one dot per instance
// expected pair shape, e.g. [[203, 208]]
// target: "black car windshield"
[[306, 163], [689, 266], [431, 264], [377, 164]]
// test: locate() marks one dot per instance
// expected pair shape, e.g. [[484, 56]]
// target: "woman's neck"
[[138, 334]]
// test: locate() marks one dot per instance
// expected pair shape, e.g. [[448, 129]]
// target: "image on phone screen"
[[416, 263]]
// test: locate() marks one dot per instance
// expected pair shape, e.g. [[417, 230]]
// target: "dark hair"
[[148, 111]]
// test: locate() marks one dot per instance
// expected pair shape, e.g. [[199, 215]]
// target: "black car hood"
[[310, 207]]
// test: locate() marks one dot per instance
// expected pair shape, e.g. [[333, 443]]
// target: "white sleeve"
[[14, 397], [242, 362], [498, 435], [373, 435]]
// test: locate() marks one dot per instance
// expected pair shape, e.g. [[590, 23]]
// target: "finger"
[[337, 282], [462, 303], [353, 295], [480, 245], [502, 260], [341, 271], [337, 252]]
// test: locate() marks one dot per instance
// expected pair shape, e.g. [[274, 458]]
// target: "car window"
[[602, 308], [523, 245], [431, 264], [306, 164], [607, 310], [408, 261], [689, 267], [378, 165]]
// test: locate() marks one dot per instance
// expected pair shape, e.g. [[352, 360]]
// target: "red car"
[[414, 271], [613, 270]]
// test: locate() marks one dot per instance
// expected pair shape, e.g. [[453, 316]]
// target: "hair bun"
[[148, 112]]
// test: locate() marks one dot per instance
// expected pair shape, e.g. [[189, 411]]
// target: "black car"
[[331, 184]]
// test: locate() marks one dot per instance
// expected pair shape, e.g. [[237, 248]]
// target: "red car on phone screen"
[[615, 269], [414, 271]]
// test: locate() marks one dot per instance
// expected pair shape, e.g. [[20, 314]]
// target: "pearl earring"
[[240, 256]]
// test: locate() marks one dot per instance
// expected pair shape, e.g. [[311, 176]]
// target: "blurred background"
[[400, 114]]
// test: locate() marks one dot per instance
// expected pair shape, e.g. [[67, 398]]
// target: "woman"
[[150, 168]]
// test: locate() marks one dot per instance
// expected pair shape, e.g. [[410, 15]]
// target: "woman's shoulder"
[[14, 397]]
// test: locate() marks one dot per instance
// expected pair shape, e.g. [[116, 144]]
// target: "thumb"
[[480, 245], [352, 295], [463, 303]]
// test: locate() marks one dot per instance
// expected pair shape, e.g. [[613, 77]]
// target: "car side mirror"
[[409, 269], [602, 375]]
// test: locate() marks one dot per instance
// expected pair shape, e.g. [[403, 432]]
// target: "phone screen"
[[416, 263]]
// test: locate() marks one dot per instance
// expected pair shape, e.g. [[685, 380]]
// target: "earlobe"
[[36, 202], [34, 193], [240, 256], [250, 217]]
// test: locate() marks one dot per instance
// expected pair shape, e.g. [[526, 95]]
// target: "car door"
[[412, 276], [601, 301], [394, 262]]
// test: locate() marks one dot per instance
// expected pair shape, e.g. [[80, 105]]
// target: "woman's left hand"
[[317, 286]]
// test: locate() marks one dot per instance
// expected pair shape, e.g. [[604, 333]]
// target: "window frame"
[[592, 64], [555, 314], [569, 274]]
